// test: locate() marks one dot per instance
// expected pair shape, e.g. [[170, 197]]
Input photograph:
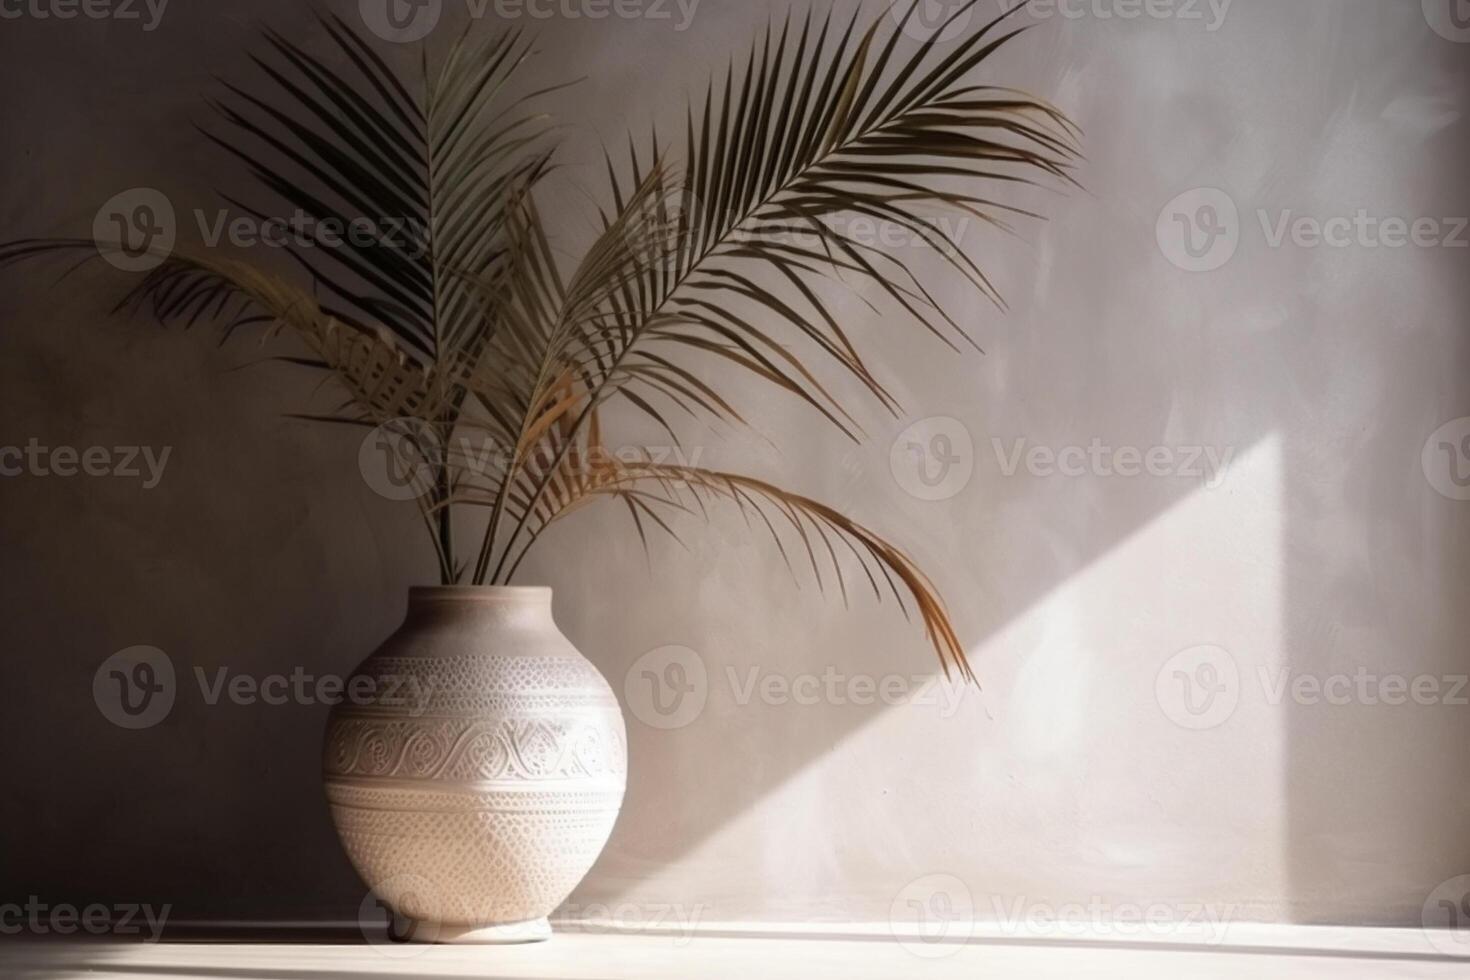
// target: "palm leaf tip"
[[820, 533]]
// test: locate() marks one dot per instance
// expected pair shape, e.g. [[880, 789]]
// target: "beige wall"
[[1322, 549]]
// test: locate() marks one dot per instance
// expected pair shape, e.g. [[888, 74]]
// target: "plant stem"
[[449, 574], [487, 549]]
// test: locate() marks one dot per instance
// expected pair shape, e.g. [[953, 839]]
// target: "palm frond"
[[401, 201], [718, 251], [425, 178], [825, 541], [821, 122]]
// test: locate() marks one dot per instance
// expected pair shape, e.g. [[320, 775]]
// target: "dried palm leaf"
[[718, 253]]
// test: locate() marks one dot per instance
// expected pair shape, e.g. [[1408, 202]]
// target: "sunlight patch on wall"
[[1123, 746]]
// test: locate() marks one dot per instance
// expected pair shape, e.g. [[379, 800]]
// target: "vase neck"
[[491, 604]]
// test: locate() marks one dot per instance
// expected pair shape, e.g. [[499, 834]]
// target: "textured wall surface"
[[1149, 644]]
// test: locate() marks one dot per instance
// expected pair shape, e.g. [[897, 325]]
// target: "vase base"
[[500, 934]]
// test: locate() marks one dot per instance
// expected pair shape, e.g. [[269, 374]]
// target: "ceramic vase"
[[475, 766]]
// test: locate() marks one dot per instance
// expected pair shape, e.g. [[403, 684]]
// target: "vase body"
[[476, 765]]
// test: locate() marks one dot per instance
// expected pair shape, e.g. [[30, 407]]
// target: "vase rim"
[[478, 593]]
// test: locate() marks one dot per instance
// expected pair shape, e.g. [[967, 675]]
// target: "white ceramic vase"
[[477, 769]]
